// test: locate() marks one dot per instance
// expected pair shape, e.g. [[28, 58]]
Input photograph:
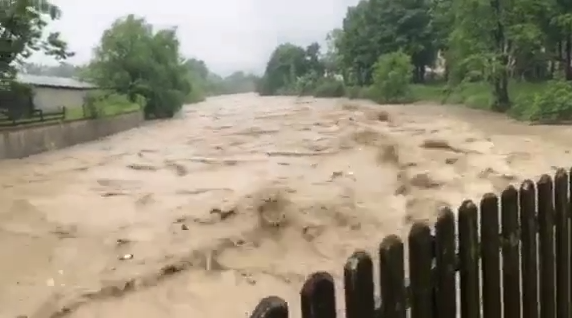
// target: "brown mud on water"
[[241, 197]]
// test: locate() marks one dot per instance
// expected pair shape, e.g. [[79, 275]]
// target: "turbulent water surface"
[[241, 197]]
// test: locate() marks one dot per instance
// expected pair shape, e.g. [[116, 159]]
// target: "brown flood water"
[[239, 198]]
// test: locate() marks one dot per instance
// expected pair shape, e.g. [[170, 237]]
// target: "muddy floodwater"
[[241, 197]]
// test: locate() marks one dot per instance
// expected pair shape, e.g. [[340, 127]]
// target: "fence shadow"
[[507, 257]]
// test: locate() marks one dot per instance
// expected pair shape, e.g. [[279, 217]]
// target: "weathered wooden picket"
[[515, 264]]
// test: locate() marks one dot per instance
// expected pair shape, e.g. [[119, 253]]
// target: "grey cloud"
[[229, 35]]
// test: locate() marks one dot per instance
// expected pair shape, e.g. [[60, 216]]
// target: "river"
[[240, 197]]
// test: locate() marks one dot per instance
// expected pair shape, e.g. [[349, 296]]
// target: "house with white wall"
[[52, 93]]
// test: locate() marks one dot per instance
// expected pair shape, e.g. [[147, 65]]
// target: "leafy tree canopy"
[[208, 83], [136, 60], [22, 25], [490, 41], [287, 64]]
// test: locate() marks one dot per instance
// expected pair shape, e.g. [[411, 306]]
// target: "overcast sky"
[[229, 35]]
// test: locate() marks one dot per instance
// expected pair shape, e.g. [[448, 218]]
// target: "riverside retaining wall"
[[29, 141]]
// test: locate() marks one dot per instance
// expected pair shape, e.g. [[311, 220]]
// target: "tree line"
[[133, 59], [507, 56]]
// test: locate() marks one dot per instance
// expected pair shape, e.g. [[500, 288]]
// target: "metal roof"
[[52, 81]]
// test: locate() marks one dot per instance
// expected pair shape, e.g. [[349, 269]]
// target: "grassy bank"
[[106, 110], [475, 95], [105, 104], [542, 101], [96, 105]]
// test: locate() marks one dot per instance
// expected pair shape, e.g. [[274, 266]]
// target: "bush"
[[547, 102], [353, 92], [103, 104], [392, 78], [285, 91], [329, 87], [474, 95], [16, 99], [552, 104], [163, 103], [305, 85], [262, 87], [197, 93], [195, 96], [373, 93]]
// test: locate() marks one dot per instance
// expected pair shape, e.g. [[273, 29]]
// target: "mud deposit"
[[241, 197]]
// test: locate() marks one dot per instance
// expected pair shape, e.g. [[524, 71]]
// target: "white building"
[[52, 93]]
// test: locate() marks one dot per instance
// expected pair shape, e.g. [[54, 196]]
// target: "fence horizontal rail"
[[37, 116], [508, 256]]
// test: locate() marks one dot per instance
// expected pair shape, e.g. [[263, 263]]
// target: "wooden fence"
[[509, 257], [36, 116]]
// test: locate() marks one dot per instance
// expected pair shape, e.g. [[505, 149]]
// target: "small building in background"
[[52, 93]]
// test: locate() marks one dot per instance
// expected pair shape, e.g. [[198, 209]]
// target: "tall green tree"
[[497, 42], [205, 83], [331, 59], [377, 27], [197, 67], [313, 61], [22, 24], [286, 64], [136, 60]]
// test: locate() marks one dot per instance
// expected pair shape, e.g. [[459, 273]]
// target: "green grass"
[[103, 105], [74, 113], [112, 109], [537, 101], [108, 110], [474, 95]]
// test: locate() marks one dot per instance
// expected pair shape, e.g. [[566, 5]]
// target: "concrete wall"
[[52, 99], [28, 141]]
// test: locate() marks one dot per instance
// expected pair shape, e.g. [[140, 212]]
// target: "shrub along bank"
[[515, 59], [540, 101]]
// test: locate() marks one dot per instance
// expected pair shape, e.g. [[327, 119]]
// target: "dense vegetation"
[[203, 82], [22, 26], [206, 83], [145, 64], [508, 56], [133, 63], [137, 61]]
